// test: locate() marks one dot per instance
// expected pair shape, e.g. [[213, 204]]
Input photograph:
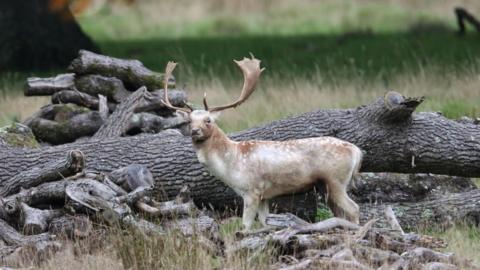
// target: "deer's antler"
[[251, 72], [168, 73]]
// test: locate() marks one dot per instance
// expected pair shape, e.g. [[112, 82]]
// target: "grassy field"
[[318, 54]]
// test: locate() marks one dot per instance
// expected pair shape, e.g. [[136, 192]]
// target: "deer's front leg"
[[250, 208], [263, 211]]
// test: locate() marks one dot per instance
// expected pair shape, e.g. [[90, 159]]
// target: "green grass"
[[334, 57]]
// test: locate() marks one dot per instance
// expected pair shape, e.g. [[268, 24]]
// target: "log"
[[116, 125], [57, 168], [50, 193], [95, 85], [80, 99], [386, 130], [132, 72], [151, 123], [53, 132], [36, 221], [168, 209], [442, 211], [393, 187], [48, 86], [153, 102], [56, 112], [14, 238]]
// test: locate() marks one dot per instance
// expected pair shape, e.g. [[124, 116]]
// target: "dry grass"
[[129, 249], [279, 97]]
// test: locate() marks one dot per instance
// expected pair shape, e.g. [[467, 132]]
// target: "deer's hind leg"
[[339, 202], [263, 211]]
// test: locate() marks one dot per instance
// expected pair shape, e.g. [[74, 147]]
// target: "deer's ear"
[[183, 114], [215, 115]]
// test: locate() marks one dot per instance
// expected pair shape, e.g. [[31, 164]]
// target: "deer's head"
[[202, 122]]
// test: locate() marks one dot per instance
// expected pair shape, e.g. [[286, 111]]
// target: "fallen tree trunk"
[[391, 187], [442, 211], [394, 140]]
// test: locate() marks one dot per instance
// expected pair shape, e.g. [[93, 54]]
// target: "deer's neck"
[[216, 151]]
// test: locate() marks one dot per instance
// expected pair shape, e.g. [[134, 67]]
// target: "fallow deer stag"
[[261, 170]]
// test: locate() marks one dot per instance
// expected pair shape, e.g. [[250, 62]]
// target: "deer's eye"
[[208, 120]]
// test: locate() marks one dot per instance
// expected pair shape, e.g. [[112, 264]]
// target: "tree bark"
[[95, 85], [390, 187], [48, 86], [116, 125], [35, 221], [394, 140], [442, 211], [132, 72], [80, 99], [60, 132], [39, 35], [55, 169]]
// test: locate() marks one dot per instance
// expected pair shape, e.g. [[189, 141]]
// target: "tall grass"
[[277, 97]]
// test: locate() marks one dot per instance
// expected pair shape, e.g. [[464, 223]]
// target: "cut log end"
[[398, 107]]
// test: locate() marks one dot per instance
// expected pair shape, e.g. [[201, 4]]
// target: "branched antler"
[[251, 72], [168, 73]]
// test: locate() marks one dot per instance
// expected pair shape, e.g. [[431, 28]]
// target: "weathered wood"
[[91, 196], [131, 177], [151, 123], [35, 221], [95, 85], [153, 101], [51, 193], [131, 72], [12, 237], [79, 98], [441, 211], [57, 168], [103, 109], [56, 112], [54, 132], [116, 125], [434, 143], [48, 86], [393, 187], [168, 209]]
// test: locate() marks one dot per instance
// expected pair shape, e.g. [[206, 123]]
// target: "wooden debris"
[[337, 244]]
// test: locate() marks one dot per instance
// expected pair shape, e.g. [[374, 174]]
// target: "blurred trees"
[[39, 34]]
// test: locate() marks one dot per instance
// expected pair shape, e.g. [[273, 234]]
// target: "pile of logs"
[[98, 86], [339, 244], [42, 206], [62, 200]]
